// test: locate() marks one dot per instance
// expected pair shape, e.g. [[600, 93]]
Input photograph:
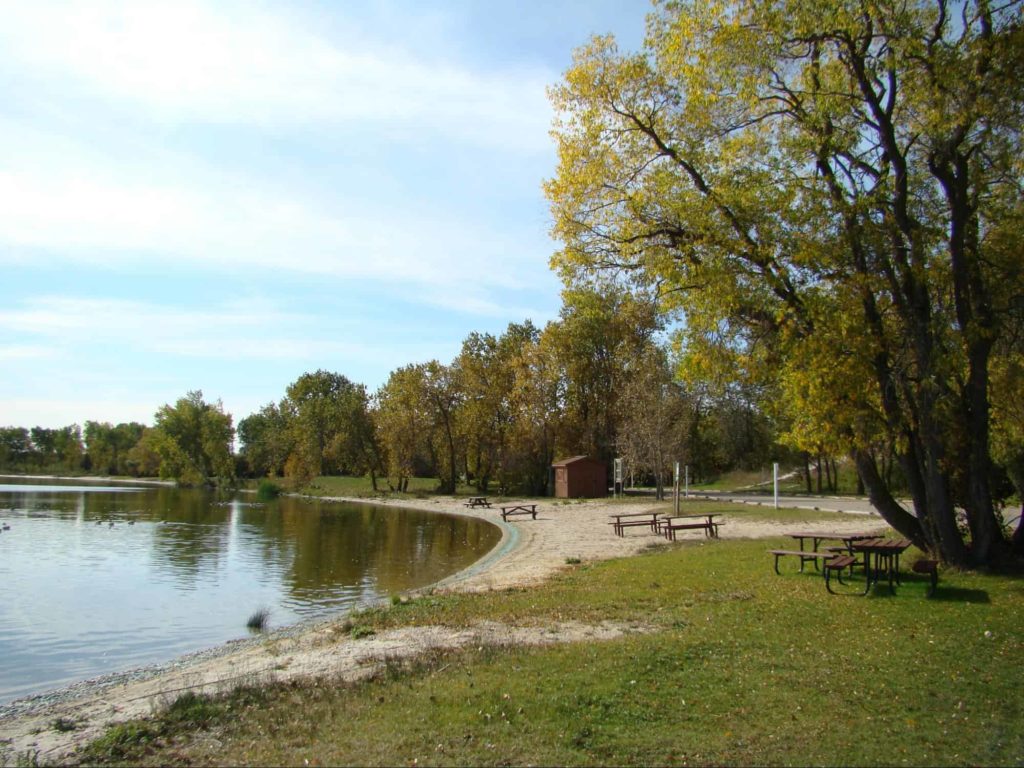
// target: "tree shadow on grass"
[[960, 595]]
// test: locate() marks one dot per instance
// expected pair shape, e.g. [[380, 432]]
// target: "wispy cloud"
[[10, 353], [100, 219], [69, 320], [241, 329], [229, 63]]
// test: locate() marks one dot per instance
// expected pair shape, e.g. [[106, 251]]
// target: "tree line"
[[190, 441], [507, 406], [598, 381]]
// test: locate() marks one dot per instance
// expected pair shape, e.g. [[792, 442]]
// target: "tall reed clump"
[[258, 620]]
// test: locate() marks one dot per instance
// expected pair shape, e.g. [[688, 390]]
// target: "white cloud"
[[96, 217], [236, 330], [225, 63], [70, 320], [11, 353]]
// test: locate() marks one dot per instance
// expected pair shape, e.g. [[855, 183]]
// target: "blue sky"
[[223, 196]]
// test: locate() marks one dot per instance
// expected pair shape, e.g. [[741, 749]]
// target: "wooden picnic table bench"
[[478, 501], [630, 519], [805, 556], [837, 565], [519, 509], [669, 525]]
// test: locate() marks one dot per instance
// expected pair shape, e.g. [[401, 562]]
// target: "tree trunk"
[[883, 501]]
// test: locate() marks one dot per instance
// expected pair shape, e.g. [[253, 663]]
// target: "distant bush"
[[268, 490]]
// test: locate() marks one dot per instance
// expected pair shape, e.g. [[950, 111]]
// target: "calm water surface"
[[101, 578]]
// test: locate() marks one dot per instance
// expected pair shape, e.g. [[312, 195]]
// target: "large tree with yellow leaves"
[[831, 194]]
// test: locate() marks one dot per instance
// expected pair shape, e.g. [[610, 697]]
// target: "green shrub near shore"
[[726, 663]]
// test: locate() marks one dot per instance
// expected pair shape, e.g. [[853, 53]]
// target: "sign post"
[[618, 476]]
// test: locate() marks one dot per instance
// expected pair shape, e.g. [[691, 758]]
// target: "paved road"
[[854, 505]]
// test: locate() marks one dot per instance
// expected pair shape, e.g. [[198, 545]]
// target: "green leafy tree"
[[831, 194], [331, 429], [600, 330], [108, 445], [488, 415], [69, 448], [193, 439], [44, 445], [143, 458], [15, 447], [266, 441], [100, 447], [536, 406], [404, 425], [444, 397]]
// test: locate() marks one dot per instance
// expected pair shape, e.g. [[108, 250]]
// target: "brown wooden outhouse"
[[580, 477]]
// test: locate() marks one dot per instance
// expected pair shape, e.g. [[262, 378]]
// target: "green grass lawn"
[[727, 663]]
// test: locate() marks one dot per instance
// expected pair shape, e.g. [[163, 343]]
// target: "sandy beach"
[[529, 552]]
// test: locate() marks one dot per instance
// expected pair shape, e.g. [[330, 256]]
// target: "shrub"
[[268, 490]]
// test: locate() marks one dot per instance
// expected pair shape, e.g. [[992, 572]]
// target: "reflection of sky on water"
[[95, 582]]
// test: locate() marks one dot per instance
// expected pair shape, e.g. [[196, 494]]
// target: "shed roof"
[[576, 460]]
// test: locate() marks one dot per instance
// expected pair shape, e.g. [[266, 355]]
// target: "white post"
[[675, 487], [775, 482], [687, 481]]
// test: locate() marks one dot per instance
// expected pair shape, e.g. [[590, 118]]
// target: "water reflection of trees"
[[318, 550], [191, 534], [320, 553], [392, 549]]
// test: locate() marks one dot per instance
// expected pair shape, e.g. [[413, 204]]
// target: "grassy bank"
[[725, 663]]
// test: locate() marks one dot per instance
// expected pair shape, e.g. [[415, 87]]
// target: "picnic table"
[[669, 524], [805, 557], [817, 537], [812, 555], [886, 554], [625, 520], [519, 509], [478, 501]]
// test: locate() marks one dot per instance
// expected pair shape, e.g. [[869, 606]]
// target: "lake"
[[99, 578]]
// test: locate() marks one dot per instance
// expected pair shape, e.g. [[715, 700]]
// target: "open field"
[[692, 653]]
